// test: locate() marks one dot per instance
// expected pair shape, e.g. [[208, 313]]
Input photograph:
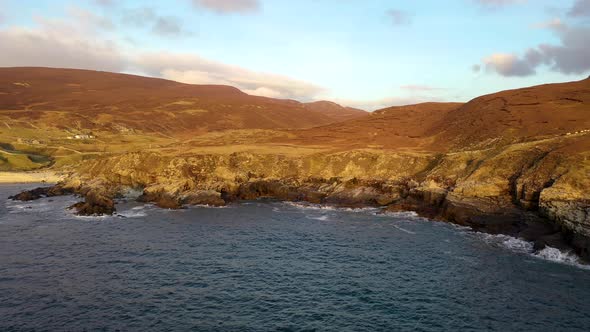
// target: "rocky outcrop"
[[161, 199], [203, 197], [34, 194], [94, 204]]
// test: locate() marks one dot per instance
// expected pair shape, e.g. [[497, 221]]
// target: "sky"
[[362, 53]]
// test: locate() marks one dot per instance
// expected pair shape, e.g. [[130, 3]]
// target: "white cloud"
[[58, 44], [555, 23], [572, 56], [191, 68]]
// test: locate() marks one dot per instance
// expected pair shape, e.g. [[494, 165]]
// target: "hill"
[[499, 119], [334, 110], [515, 116], [389, 128], [69, 99]]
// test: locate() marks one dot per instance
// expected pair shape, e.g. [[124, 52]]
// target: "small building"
[[81, 136]]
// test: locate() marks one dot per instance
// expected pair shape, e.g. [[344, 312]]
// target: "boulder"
[[203, 197], [95, 204]]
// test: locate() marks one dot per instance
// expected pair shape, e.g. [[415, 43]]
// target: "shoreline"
[[566, 253], [49, 177], [496, 215]]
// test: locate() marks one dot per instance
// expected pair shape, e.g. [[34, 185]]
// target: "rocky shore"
[[535, 194]]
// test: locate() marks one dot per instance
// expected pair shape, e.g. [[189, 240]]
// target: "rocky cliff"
[[535, 190]]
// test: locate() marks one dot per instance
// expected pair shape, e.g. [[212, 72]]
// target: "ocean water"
[[272, 266]]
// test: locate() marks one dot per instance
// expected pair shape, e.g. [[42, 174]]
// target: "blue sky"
[[370, 54]]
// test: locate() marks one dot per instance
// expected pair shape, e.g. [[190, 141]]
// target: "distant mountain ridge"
[[94, 100], [506, 117]]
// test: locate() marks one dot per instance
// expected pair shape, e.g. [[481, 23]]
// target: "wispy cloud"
[[88, 18], [555, 23], [399, 17], [416, 88], [191, 68], [147, 17], [496, 4], [229, 6], [105, 3], [377, 104]]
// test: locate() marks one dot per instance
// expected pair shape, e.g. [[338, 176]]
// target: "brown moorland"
[[93, 100], [507, 117]]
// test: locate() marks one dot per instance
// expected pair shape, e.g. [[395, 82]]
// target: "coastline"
[[50, 177], [520, 193]]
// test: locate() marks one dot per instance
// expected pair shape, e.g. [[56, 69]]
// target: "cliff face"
[[505, 190]]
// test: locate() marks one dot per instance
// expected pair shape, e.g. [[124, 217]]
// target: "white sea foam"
[[404, 230], [556, 255], [103, 217], [508, 242], [400, 214], [207, 206], [310, 206], [320, 218], [525, 247], [43, 205], [135, 212]]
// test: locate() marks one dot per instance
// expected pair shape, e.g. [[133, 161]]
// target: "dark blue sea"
[[272, 266]]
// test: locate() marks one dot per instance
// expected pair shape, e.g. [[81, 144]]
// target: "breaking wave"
[[135, 212], [556, 255], [320, 218], [524, 247], [311, 206]]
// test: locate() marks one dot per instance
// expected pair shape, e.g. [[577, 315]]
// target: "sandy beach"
[[30, 177]]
